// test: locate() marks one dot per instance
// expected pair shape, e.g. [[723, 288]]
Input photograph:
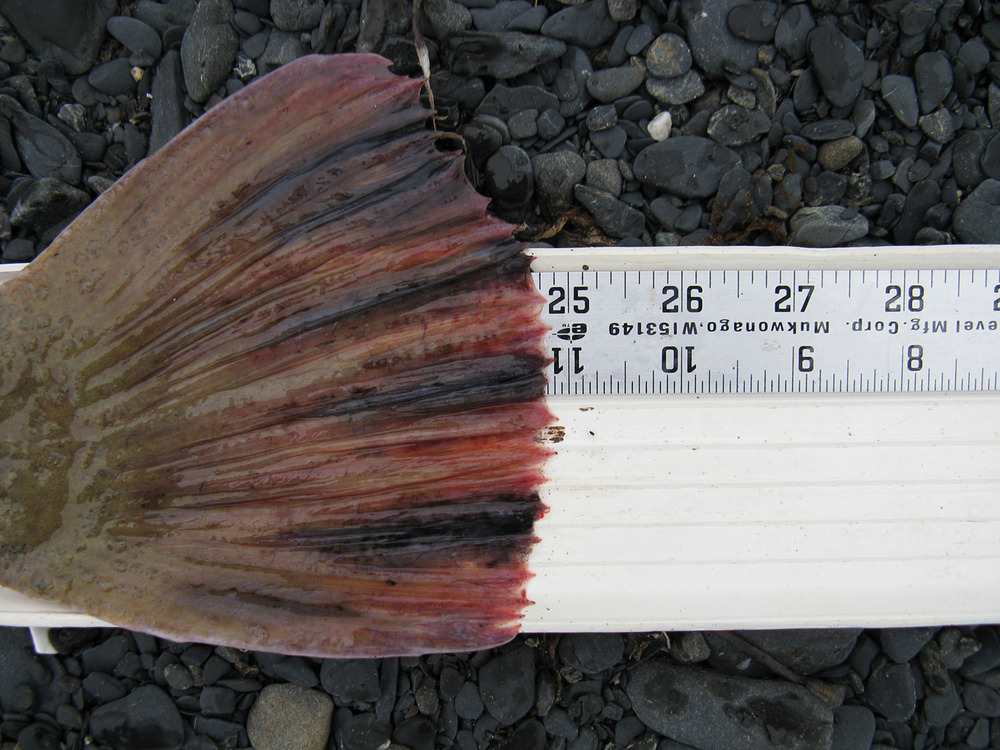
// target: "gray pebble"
[[296, 15], [733, 125], [503, 101], [145, 712], [827, 130], [603, 174], [938, 126], [939, 709], [351, 680], [668, 56], [853, 728], [447, 17], [587, 24], [977, 217], [980, 699], [19, 250], [468, 703], [43, 149], [611, 84], [934, 78], [610, 142], [639, 39], [531, 20], [755, 22], [679, 90], [836, 155], [507, 684], [556, 174], [825, 226], [602, 117], [169, 115], [523, 124], [902, 644], [550, 123], [975, 55], [138, 37], [614, 217], [890, 691], [792, 31], [499, 16], [916, 16], [500, 54], [285, 716], [46, 202], [837, 63], [900, 93], [686, 166], [113, 77], [706, 709], [593, 653], [714, 47], [209, 48]]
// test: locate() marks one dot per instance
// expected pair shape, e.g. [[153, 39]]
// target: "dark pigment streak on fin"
[[291, 405]]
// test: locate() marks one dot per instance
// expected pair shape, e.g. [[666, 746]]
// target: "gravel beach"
[[631, 122]]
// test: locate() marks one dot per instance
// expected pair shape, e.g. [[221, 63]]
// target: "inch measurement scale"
[[760, 438]]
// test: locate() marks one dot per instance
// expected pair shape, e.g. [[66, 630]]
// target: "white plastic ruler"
[[831, 458]]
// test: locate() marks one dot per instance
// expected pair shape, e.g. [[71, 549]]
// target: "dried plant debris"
[[279, 387]]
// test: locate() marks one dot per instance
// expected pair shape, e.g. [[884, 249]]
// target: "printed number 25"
[[557, 300]]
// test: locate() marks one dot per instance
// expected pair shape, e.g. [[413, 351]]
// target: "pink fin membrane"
[[280, 386]]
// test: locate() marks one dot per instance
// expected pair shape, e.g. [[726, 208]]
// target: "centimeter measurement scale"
[[832, 458], [772, 331]]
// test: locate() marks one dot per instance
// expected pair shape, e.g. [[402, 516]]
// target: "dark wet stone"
[[837, 63], [755, 22], [902, 644], [934, 78], [47, 202], [145, 719], [294, 669], [611, 84], [296, 15], [68, 31], [668, 56], [602, 117], [19, 250], [351, 680], [139, 38], [38, 736], [507, 684], [987, 657], [530, 20], [838, 154], [639, 39], [447, 17], [509, 176], [705, 709], [900, 94], [604, 174], [733, 125], [966, 156], [556, 174], [105, 656], [209, 48], [468, 702], [938, 126], [922, 197], [680, 90], [975, 55], [714, 47], [500, 54], [792, 31], [826, 226], [939, 709], [169, 114], [523, 125], [587, 24], [550, 123], [610, 142], [686, 166], [103, 687], [980, 699], [890, 691], [592, 653], [217, 701], [503, 101], [853, 728], [113, 77], [415, 733], [622, 10], [827, 130], [805, 651], [44, 151], [498, 17], [917, 16], [286, 716]]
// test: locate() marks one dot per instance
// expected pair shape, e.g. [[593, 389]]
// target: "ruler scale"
[[843, 474]]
